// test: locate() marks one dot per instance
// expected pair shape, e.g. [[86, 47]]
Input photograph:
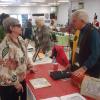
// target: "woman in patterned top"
[[14, 62]]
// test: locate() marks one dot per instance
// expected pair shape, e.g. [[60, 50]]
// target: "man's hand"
[[79, 73]]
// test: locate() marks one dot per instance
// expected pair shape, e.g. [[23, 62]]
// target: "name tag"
[[77, 50]]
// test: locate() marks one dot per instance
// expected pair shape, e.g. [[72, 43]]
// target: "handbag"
[[56, 75]]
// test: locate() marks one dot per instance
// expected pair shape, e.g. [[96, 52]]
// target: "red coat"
[[60, 55]]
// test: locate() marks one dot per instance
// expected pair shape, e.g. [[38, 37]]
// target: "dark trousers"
[[23, 95], [10, 92]]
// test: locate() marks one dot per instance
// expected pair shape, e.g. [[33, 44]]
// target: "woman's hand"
[[22, 75], [31, 69], [5, 79], [29, 66], [19, 87]]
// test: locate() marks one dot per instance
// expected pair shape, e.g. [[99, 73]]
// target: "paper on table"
[[45, 60], [74, 96], [90, 87], [52, 98], [39, 83]]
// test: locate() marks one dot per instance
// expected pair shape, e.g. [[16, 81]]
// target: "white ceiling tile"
[[22, 2]]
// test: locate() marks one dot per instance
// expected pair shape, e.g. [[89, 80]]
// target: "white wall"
[[24, 10], [62, 16], [92, 7], [17, 11]]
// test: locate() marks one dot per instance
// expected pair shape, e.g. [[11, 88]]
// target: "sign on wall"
[[24, 18]]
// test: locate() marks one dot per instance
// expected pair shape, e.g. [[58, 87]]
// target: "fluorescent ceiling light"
[[53, 3], [30, 3], [8, 0], [44, 5], [37, 0], [63, 1], [5, 3], [24, 5]]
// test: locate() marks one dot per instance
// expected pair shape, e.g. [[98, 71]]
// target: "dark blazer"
[[89, 50]]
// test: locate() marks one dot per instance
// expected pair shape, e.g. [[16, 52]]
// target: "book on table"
[[74, 96], [39, 83], [90, 87]]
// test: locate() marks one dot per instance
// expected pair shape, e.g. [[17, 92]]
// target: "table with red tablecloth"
[[58, 87]]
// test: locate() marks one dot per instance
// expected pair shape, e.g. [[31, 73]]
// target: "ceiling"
[[32, 2]]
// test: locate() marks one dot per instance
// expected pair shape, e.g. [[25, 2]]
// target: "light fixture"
[[62, 1], [30, 3], [44, 5], [8, 0], [23, 5], [37, 0], [2, 3], [53, 3]]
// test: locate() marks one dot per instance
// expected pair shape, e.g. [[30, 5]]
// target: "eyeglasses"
[[17, 25]]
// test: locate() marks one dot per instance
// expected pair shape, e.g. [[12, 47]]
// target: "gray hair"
[[10, 21], [82, 15], [39, 19]]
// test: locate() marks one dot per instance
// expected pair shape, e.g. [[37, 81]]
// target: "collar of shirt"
[[82, 32], [84, 29]]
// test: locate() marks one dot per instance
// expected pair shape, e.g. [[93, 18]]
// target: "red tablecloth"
[[57, 88]]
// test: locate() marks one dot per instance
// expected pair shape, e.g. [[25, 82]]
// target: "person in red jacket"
[[61, 58], [96, 22]]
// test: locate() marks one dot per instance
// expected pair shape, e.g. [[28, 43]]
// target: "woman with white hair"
[[42, 35], [87, 55], [14, 62]]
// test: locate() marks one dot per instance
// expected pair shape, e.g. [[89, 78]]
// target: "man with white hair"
[[42, 35], [87, 55]]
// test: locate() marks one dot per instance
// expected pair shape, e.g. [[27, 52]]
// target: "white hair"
[[39, 19], [82, 15]]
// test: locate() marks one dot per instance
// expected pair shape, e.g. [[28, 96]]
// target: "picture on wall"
[[24, 18]]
